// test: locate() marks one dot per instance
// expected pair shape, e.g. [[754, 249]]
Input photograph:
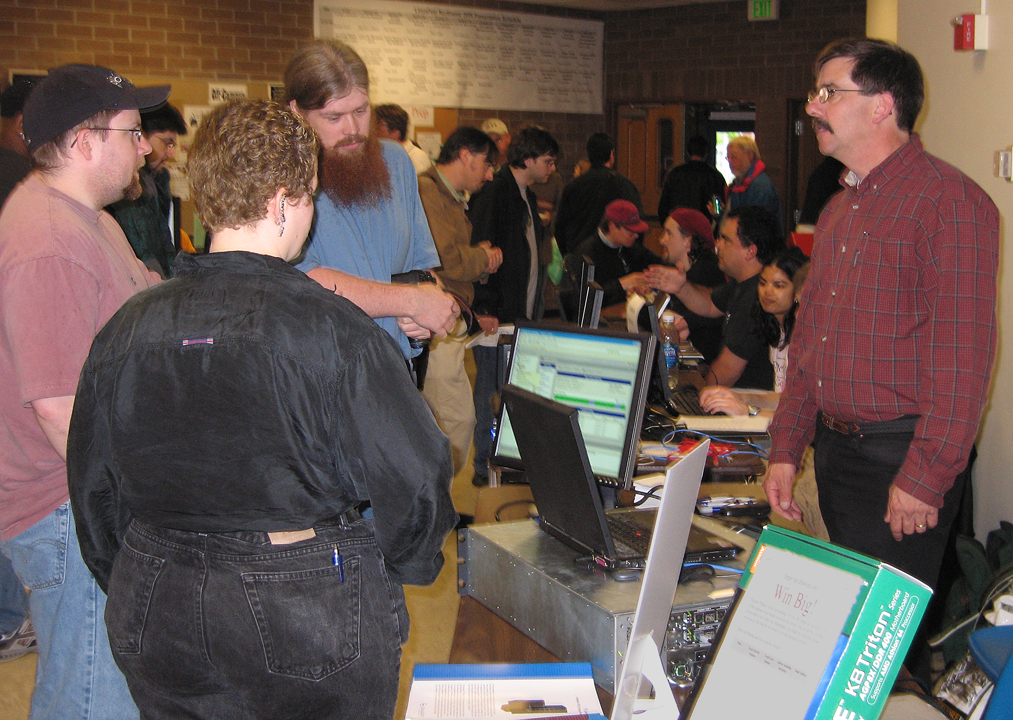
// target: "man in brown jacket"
[[465, 164]]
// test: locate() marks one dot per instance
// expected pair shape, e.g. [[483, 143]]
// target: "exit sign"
[[763, 9]]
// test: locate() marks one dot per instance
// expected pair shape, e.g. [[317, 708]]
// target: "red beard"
[[359, 178], [134, 190]]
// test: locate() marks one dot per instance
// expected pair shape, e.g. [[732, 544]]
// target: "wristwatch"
[[753, 410]]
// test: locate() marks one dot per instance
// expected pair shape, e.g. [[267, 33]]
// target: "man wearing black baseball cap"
[[65, 268]]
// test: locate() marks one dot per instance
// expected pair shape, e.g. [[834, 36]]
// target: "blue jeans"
[[13, 598], [226, 626], [485, 388], [76, 675]]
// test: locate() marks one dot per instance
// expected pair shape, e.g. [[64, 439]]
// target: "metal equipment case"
[[581, 614]]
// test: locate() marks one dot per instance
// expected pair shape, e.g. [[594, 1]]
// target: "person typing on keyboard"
[[749, 237]]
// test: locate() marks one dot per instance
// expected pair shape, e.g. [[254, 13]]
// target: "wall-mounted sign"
[[421, 54], [763, 9], [421, 115], [276, 93], [219, 94]]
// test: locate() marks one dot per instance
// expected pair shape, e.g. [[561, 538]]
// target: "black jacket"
[[498, 215], [242, 395], [583, 203], [610, 264], [691, 185]]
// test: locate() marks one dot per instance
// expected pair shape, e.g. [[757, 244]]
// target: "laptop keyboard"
[[629, 536], [686, 400]]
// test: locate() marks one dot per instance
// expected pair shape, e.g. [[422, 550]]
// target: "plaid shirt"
[[898, 316]]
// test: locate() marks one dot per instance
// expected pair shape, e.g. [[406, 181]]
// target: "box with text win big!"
[[816, 632]]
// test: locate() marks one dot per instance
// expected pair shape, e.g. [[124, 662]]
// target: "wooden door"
[[803, 157], [649, 142]]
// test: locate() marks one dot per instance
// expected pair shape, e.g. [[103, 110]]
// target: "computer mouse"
[[626, 574]]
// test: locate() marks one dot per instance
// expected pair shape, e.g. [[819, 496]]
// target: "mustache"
[[351, 140], [821, 124]]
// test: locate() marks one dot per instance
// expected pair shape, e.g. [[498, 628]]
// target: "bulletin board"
[[453, 56]]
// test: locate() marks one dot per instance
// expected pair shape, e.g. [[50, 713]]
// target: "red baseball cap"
[[694, 222], [625, 213]]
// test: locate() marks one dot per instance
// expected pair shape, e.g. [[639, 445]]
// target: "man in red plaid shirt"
[[894, 346]]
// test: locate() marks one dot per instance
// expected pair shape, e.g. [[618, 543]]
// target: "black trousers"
[[230, 627], [853, 474]]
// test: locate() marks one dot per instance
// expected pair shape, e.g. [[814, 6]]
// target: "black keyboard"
[[686, 401], [629, 533]]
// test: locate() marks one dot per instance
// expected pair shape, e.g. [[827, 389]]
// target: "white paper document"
[[483, 340], [475, 692]]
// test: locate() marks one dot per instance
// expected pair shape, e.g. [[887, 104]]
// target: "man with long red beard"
[[370, 224], [65, 268]]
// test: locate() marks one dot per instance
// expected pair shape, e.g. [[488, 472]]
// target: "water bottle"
[[670, 346]]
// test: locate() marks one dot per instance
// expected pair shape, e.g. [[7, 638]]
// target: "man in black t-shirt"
[[749, 238]]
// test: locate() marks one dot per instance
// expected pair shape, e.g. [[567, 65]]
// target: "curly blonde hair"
[[242, 154]]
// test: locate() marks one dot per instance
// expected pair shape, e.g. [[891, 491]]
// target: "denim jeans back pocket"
[[39, 554], [308, 619], [131, 585]]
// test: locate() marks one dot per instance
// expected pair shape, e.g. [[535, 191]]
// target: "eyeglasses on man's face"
[[169, 143], [133, 131], [826, 92]]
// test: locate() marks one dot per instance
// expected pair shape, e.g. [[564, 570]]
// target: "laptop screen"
[[602, 373]]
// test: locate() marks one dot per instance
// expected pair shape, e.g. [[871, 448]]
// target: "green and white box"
[[816, 632]]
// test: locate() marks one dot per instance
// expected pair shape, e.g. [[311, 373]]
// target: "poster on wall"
[[454, 56]]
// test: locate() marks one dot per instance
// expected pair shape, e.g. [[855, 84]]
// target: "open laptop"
[[568, 500], [602, 373]]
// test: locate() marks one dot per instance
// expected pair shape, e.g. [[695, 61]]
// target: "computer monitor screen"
[[604, 374]]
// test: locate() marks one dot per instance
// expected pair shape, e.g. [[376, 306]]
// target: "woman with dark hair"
[[780, 287]]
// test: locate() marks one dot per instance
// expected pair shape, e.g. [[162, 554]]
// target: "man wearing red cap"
[[688, 242], [619, 261], [65, 268]]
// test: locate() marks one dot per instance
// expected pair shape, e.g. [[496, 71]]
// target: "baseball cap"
[[625, 213], [71, 94], [495, 126], [12, 99], [694, 222]]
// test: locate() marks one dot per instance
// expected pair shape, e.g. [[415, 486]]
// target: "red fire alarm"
[[970, 32]]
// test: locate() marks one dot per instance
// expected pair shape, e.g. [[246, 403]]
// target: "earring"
[[281, 218]]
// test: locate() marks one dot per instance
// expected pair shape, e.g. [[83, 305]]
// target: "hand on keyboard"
[[686, 401]]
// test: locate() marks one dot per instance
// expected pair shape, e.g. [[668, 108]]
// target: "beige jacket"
[[461, 264]]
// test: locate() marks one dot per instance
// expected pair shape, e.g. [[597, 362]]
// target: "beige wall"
[[968, 117], [881, 19]]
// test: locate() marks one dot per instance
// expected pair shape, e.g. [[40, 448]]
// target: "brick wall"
[[209, 40], [188, 39], [712, 53], [706, 52]]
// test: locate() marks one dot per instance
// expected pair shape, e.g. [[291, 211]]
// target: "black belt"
[[350, 516], [905, 423], [287, 537]]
